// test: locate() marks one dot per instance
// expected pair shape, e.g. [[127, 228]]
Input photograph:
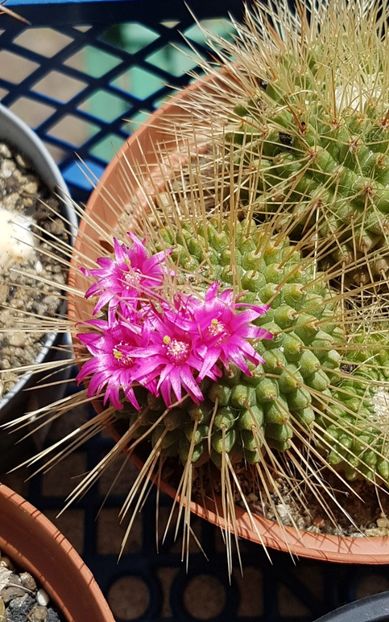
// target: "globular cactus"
[[356, 442], [308, 121], [323, 384], [243, 414]]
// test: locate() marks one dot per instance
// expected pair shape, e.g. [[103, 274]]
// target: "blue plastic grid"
[[60, 83]]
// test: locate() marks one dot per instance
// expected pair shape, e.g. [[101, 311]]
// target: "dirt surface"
[[30, 205]]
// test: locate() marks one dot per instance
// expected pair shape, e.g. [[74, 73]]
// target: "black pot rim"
[[369, 609]]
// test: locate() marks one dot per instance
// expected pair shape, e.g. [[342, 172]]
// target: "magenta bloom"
[[132, 274], [167, 348], [224, 330], [112, 365], [172, 360]]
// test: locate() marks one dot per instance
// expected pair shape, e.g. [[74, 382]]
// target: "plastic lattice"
[[83, 88]]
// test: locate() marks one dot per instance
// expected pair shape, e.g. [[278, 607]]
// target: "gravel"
[[21, 599], [22, 193]]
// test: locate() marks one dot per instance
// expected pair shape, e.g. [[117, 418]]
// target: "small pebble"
[[22, 162], [5, 151], [38, 614], [28, 581], [17, 338], [5, 573], [7, 168], [383, 522], [19, 609], [31, 188], [42, 598], [14, 589]]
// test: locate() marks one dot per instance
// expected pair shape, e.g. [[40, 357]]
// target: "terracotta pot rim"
[[50, 548], [298, 543], [326, 547]]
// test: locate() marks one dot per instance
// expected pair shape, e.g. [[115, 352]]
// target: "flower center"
[[177, 351], [216, 328], [132, 277], [120, 355]]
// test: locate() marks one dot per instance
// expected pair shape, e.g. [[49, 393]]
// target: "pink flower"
[[171, 359], [167, 348], [112, 365], [224, 331], [123, 280]]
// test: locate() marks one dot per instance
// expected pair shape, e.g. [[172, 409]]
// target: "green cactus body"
[[242, 413], [311, 139], [356, 441]]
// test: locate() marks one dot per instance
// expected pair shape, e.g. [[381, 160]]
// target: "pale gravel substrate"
[[21, 599], [21, 191]]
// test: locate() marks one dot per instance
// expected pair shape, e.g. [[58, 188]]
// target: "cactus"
[[242, 413], [356, 443], [308, 125], [356, 425]]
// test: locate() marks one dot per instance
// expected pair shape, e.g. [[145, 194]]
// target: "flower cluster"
[[167, 347]]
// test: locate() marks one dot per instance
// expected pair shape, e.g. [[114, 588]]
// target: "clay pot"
[[35, 544], [102, 207]]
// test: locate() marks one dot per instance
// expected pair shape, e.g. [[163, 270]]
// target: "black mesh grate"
[[146, 585], [84, 88]]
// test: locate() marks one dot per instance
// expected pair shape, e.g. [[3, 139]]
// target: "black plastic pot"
[[17, 134], [370, 609]]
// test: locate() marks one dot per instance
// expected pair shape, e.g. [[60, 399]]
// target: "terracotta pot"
[[35, 544], [112, 190]]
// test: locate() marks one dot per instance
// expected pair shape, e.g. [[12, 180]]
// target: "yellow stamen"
[[117, 354]]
